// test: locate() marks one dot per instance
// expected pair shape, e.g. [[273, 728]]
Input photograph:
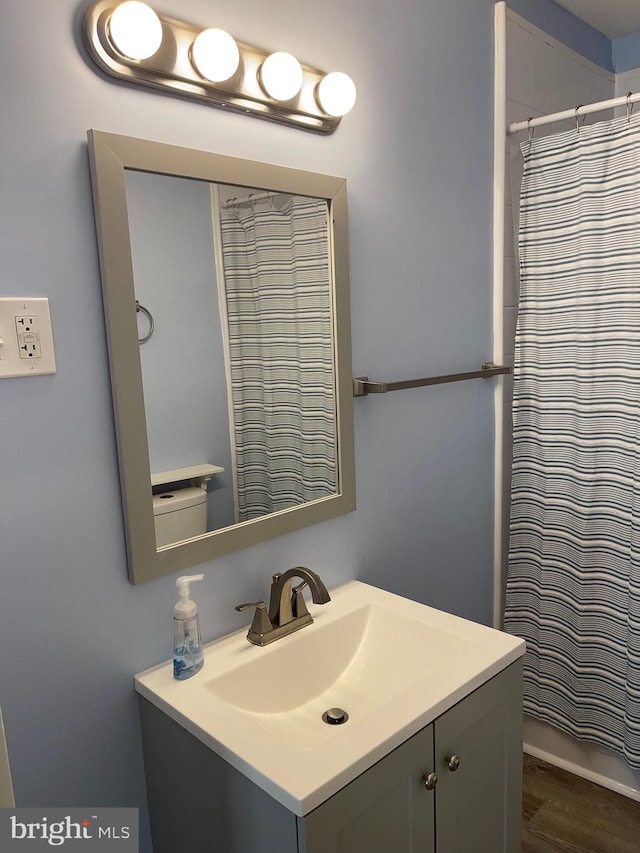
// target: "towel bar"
[[362, 386]]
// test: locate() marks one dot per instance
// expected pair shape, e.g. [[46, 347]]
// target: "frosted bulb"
[[281, 76], [135, 30], [336, 94], [215, 55]]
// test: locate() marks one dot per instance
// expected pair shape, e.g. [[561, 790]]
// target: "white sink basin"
[[358, 662], [393, 665]]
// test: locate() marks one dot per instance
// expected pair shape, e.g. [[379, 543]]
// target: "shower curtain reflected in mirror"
[[277, 271], [573, 589]]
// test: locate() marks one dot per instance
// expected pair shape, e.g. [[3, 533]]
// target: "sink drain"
[[335, 716]]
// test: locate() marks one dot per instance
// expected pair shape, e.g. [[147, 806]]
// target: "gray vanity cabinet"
[[475, 752], [199, 803], [478, 805], [387, 808]]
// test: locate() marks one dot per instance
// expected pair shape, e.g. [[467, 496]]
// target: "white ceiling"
[[614, 18]]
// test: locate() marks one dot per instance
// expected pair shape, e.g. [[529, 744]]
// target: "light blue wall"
[[621, 54], [567, 28], [626, 52], [417, 153]]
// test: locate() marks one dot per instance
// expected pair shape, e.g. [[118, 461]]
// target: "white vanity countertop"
[[394, 665]]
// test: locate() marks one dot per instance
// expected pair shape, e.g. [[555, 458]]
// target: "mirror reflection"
[[233, 286], [226, 295]]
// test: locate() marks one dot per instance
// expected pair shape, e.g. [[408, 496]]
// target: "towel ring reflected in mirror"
[[141, 309]]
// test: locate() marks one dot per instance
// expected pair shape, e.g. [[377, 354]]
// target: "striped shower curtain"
[[277, 273], [573, 589]]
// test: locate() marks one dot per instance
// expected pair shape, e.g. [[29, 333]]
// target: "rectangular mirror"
[[225, 286]]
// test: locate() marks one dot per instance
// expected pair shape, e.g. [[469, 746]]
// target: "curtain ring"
[[147, 314], [577, 117], [529, 128], [629, 107]]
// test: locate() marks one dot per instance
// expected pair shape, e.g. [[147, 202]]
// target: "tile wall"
[[628, 81]]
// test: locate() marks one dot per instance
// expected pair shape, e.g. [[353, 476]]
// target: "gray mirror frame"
[[110, 155]]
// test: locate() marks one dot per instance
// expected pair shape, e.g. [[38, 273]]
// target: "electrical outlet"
[[26, 339]]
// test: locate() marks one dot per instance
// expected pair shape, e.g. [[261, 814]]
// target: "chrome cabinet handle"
[[430, 781], [452, 762]]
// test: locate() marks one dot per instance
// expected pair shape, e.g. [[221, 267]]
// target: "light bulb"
[[336, 94], [281, 76], [135, 30], [215, 55]]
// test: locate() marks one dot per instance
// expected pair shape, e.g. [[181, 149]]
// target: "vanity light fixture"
[[215, 55], [281, 76], [336, 94], [132, 42], [135, 30]]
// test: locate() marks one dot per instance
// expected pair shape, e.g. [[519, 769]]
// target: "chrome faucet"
[[287, 608]]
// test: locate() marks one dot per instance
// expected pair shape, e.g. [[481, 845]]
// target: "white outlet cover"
[[11, 364]]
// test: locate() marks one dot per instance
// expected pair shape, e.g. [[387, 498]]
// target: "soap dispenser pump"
[[187, 642]]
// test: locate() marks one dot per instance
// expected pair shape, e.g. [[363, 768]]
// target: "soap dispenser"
[[187, 642]]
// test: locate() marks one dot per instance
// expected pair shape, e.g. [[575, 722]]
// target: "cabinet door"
[[479, 799], [385, 810]]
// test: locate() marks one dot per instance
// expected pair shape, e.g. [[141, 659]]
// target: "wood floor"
[[563, 813]]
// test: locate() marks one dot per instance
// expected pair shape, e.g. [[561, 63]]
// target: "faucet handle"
[[260, 605], [298, 604], [261, 623]]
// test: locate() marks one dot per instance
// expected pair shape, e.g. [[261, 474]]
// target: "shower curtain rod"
[[625, 101], [234, 202]]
